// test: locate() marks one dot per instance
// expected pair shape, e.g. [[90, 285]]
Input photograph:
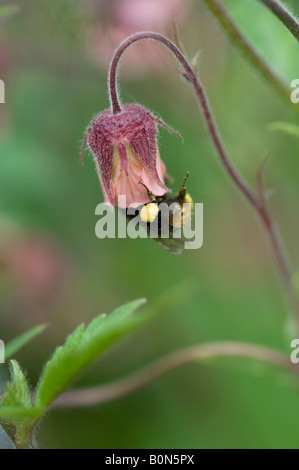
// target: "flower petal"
[[123, 157], [128, 184], [150, 182], [144, 142]]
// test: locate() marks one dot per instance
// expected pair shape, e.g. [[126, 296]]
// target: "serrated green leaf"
[[16, 344], [17, 391], [82, 347], [124, 311], [286, 127], [17, 416], [17, 413]]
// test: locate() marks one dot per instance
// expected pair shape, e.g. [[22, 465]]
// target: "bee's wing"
[[174, 245]]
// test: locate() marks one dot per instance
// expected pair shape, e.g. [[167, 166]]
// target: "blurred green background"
[[54, 59]]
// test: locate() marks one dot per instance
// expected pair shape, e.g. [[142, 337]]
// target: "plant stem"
[[240, 41], [137, 380], [254, 201], [284, 16]]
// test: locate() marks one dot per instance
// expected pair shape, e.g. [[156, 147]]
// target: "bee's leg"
[[152, 198]]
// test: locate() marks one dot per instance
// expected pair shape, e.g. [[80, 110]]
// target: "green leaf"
[[17, 391], [82, 347], [13, 346], [284, 63], [17, 416], [286, 127]]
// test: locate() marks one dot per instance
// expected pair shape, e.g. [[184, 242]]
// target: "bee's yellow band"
[[188, 200], [149, 212]]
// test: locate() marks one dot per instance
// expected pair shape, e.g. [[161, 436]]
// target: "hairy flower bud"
[[125, 150]]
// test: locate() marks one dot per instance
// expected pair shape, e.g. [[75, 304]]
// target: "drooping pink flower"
[[125, 150]]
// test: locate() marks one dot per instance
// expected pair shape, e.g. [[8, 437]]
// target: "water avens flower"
[[123, 141], [125, 150]]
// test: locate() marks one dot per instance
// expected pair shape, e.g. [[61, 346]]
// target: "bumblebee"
[[165, 216]]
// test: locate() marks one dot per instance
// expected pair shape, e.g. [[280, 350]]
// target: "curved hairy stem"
[[254, 201], [190, 75], [242, 43], [140, 379], [284, 16]]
